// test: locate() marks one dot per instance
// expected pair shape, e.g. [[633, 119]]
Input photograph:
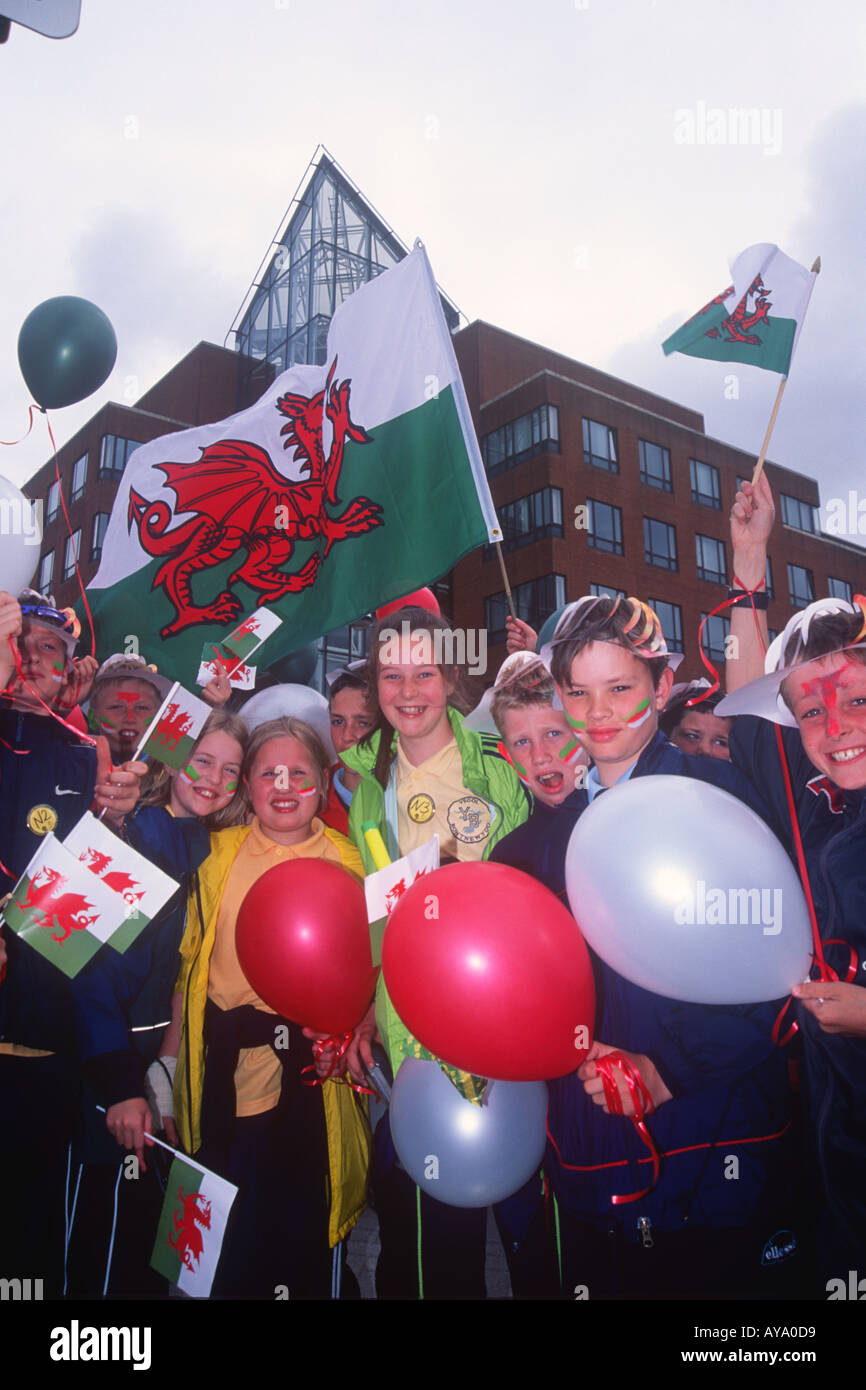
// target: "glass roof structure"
[[330, 243]]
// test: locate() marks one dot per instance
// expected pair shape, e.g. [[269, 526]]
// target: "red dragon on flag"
[[173, 725], [68, 912], [193, 1216], [239, 501]]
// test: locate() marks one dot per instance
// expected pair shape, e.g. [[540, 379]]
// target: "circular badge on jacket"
[[41, 819], [469, 819], [421, 808]]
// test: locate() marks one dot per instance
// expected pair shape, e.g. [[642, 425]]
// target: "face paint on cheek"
[[190, 774], [575, 723], [307, 789], [57, 669], [521, 771], [571, 751], [107, 724], [231, 786], [640, 714]]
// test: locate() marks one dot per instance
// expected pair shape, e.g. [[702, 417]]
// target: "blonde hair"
[[156, 785]]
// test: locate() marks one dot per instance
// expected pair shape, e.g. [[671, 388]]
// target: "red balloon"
[[303, 942], [421, 598], [490, 972]]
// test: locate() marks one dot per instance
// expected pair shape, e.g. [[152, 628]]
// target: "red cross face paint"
[[535, 740], [828, 700], [124, 709]]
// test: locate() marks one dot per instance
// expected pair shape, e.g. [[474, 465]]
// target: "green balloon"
[[66, 350], [549, 627]]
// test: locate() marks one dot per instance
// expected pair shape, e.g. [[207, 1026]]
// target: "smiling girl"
[[422, 773], [242, 1107]]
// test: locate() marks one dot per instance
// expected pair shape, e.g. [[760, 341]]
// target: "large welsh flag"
[[757, 319], [343, 487]]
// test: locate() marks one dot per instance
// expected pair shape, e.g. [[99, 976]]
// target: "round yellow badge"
[[421, 808], [41, 819]]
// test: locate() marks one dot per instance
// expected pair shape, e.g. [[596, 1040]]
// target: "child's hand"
[[10, 626], [127, 1121], [359, 1051], [594, 1086], [521, 637], [117, 788], [217, 690], [325, 1059], [752, 517], [836, 1007], [77, 682]]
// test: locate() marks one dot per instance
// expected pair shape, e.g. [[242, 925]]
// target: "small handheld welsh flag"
[[757, 319], [175, 728], [143, 888], [191, 1226]]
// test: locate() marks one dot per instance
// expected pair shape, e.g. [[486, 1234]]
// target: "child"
[[48, 778], [815, 688], [123, 1004], [353, 713], [422, 773], [242, 1108], [696, 728], [712, 1074]]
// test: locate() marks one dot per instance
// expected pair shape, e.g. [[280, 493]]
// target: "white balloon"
[[684, 890], [20, 538], [292, 702]]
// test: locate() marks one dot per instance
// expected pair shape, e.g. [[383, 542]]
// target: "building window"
[[660, 544], [768, 580], [533, 602], [801, 586], [46, 572], [97, 534], [840, 588], [79, 477], [337, 648], [70, 554], [800, 515], [521, 439], [655, 466], [52, 502], [599, 446], [711, 560], [113, 453], [670, 615], [706, 487], [605, 591], [715, 633], [605, 527], [532, 518]]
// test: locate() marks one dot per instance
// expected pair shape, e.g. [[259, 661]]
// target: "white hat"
[[292, 702], [763, 696]]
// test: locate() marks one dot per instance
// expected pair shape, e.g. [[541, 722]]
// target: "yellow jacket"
[[346, 1117]]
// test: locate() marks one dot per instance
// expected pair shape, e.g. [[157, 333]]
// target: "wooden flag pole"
[[498, 545], [778, 401]]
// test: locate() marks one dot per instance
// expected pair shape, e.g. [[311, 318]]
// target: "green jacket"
[[485, 773]]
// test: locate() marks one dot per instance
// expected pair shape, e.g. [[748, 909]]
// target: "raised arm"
[[752, 517]]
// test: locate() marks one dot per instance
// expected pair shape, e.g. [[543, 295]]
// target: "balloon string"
[[69, 530], [642, 1103], [337, 1046], [10, 443], [663, 1153], [726, 603]]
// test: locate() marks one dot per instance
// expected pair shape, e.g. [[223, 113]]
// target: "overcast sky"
[[561, 160]]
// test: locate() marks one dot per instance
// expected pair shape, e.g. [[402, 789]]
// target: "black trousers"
[[453, 1243]]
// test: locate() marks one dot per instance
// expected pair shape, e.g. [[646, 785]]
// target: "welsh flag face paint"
[[57, 671], [231, 786], [579, 724], [518, 768], [190, 773], [640, 714], [571, 751], [307, 789]]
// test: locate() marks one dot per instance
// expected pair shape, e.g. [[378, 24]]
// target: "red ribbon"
[[85, 738], [643, 1105], [10, 443], [339, 1046], [69, 530]]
